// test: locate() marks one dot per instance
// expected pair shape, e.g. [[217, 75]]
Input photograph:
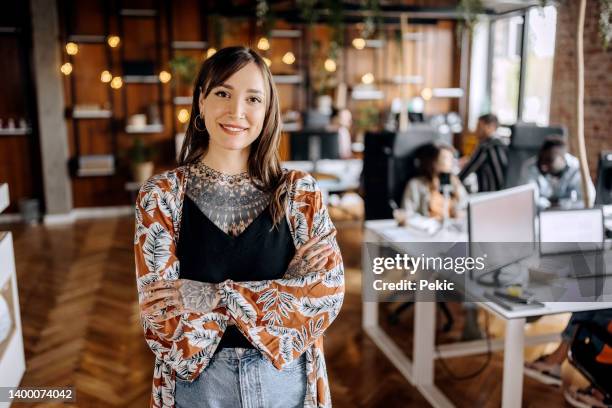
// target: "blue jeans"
[[238, 377]]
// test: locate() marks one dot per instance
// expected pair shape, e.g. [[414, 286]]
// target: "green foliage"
[[367, 117], [470, 9], [139, 152], [184, 68]]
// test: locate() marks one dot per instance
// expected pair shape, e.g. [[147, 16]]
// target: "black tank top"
[[207, 254]]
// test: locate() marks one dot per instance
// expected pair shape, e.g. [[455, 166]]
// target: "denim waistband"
[[235, 353]]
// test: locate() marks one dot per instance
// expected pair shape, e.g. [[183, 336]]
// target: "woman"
[[238, 270], [425, 194]]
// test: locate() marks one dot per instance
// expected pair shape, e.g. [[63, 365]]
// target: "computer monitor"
[[578, 230], [314, 119], [604, 179], [505, 216], [314, 145]]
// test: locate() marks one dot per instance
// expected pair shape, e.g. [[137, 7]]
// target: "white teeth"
[[233, 129]]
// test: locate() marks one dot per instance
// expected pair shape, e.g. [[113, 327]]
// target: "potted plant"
[[141, 160]]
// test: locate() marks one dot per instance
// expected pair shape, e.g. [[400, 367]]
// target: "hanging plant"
[[308, 12], [373, 21], [335, 21], [470, 9], [605, 19], [265, 17], [184, 68], [605, 23]]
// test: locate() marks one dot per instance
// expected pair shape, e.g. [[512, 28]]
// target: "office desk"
[[420, 370]]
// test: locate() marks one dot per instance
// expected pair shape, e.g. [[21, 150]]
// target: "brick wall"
[[597, 80]]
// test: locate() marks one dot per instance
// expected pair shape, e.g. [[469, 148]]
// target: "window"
[[506, 66], [539, 64]]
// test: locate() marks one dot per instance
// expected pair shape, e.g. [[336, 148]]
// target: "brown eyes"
[[223, 94]]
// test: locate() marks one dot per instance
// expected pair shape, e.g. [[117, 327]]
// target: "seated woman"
[[435, 193]]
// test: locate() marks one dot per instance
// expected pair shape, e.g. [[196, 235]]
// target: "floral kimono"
[[282, 318]]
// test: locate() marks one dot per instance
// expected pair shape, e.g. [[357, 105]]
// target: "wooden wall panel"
[[432, 58], [19, 157]]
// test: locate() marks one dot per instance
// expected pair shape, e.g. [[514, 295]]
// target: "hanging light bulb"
[[66, 68], [267, 61], [116, 83], [165, 77], [106, 77], [72, 48], [183, 116], [113, 41], [330, 65], [210, 52], [359, 43], [288, 58], [263, 44], [426, 94], [367, 78]]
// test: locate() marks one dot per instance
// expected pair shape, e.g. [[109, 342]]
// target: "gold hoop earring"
[[195, 123]]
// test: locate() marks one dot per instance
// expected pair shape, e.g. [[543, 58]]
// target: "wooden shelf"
[[410, 79], [291, 127], [140, 12], [285, 33], [9, 30], [189, 45], [287, 79], [367, 95], [87, 39], [141, 79], [15, 132], [91, 114], [95, 172], [182, 100], [144, 129]]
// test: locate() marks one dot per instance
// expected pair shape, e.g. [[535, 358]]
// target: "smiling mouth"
[[232, 130]]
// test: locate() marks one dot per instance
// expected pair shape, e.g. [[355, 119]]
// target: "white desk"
[[12, 358], [420, 371]]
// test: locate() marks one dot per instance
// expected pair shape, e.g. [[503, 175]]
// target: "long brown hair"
[[264, 161], [426, 158]]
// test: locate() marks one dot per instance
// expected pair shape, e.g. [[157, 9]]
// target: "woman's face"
[[444, 164], [234, 111]]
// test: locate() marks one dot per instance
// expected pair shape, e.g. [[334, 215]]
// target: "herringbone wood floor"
[[81, 328]]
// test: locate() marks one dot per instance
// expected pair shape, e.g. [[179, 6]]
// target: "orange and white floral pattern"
[[283, 318]]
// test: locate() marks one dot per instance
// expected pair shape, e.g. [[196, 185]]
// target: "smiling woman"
[[235, 306]]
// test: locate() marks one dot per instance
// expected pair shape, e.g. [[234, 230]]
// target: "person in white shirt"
[[556, 173]]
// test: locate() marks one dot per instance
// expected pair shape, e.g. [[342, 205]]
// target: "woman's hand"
[[311, 257], [182, 295]]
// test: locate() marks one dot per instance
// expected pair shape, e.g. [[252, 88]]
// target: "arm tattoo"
[[200, 297], [297, 267]]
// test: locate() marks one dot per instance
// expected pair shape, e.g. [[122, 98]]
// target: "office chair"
[[388, 164], [525, 143], [603, 195]]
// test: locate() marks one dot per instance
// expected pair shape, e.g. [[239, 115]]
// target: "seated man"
[[490, 159], [556, 173]]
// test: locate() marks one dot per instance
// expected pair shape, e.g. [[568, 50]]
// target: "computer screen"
[[314, 145], [571, 230], [501, 225]]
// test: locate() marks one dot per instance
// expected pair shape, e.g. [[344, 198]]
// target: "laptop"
[[571, 243]]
